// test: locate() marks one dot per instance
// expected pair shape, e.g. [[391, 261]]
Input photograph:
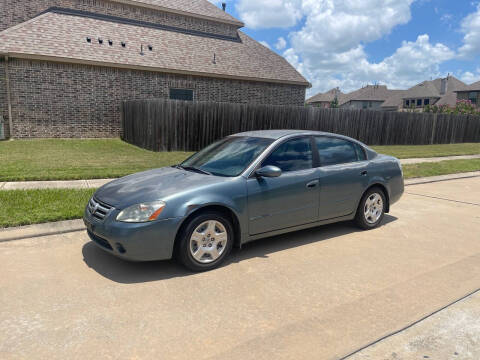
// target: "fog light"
[[120, 248]]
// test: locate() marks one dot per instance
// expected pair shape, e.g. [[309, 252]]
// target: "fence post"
[[434, 128]]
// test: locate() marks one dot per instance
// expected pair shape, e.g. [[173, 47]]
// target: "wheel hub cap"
[[373, 209], [208, 241]]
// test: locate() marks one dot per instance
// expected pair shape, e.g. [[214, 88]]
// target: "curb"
[[433, 179], [40, 230]]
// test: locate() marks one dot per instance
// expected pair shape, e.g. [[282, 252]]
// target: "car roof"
[[277, 134]]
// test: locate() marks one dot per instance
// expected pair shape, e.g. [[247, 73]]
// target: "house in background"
[[471, 92], [67, 65], [442, 91], [325, 100], [435, 92], [370, 97]]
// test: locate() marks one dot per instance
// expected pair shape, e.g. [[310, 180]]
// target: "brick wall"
[[67, 100], [3, 96], [17, 11]]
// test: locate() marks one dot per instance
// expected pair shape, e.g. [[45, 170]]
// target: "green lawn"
[[24, 207], [441, 168], [53, 159], [427, 151]]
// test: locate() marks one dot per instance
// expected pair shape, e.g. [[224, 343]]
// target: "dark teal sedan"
[[245, 187]]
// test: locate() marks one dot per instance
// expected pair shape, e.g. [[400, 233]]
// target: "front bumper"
[[135, 242]]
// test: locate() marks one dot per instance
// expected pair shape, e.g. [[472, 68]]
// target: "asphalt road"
[[316, 294]]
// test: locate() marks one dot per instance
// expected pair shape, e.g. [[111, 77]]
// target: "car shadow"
[[126, 272]]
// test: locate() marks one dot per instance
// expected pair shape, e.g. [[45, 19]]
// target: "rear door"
[[291, 199], [343, 176]]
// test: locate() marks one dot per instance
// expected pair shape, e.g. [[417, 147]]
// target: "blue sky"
[[351, 43]]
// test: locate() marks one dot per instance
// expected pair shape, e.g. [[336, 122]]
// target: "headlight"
[[142, 212]]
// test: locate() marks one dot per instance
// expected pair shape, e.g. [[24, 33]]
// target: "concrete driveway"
[[315, 294]]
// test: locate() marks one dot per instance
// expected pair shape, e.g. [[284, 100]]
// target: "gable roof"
[[329, 96], [60, 37], [433, 89], [195, 8], [367, 93], [473, 87], [395, 100], [425, 89]]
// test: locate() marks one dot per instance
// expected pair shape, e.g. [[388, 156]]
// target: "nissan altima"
[[245, 187]]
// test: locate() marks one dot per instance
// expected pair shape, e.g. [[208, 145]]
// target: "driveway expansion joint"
[[408, 326]]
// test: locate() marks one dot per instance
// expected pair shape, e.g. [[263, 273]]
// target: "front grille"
[[98, 209]]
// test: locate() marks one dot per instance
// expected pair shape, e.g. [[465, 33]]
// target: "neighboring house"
[[370, 97], [435, 92], [324, 100], [470, 92], [67, 65]]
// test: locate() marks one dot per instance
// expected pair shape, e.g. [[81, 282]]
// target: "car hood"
[[158, 184]]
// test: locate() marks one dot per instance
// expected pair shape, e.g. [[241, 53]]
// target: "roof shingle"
[[62, 37], [201, 8], [329, 96]]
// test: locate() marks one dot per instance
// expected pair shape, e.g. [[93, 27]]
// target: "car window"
[[361, 155], [292, 155], [333, 151], [228, 157]]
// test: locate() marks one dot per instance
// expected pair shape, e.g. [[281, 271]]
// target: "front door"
[[289, 200]]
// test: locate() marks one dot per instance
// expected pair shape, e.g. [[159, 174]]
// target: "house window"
[[364, 105], [472, 96], [419, 102], [426, 102], [407, 103], [181, 94]]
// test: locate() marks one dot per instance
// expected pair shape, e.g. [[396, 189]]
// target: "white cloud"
[[281, 43], [471, 40], [413, 62], [264, 14], [469, 77], [264, 43]]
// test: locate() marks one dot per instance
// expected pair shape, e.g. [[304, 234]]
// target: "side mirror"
[[269, 171]]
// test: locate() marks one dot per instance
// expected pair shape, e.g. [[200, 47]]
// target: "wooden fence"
[[165, 125]]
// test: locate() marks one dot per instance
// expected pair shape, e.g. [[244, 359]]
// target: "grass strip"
[[25, 207]]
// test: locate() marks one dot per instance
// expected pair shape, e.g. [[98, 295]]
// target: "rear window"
[[334, 151]]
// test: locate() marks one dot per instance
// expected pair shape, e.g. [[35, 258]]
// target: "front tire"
[[371, 209], [205, 241]]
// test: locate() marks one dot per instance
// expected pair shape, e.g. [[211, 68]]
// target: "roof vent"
[[214, 58], [124, 44], [100, 41], [150, 47], [110, 42], [89, 40], [224, 6]]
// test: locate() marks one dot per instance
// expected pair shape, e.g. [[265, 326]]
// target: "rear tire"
[[371, 210], [205, 241]]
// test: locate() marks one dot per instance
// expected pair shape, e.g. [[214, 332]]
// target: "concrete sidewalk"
[[93, 184], [96, 183], [437, 159]]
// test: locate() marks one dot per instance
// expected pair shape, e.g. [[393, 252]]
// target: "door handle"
[[364, 173], [312, 184]]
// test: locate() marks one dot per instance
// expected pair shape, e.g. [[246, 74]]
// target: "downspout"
[[9, 99]]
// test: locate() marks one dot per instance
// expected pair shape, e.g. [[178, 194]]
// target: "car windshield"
[[228, 157]]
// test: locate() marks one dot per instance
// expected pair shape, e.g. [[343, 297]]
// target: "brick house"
[[66, 65], [470, 92]]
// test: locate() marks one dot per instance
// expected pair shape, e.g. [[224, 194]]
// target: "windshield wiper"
[[193, 168]]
